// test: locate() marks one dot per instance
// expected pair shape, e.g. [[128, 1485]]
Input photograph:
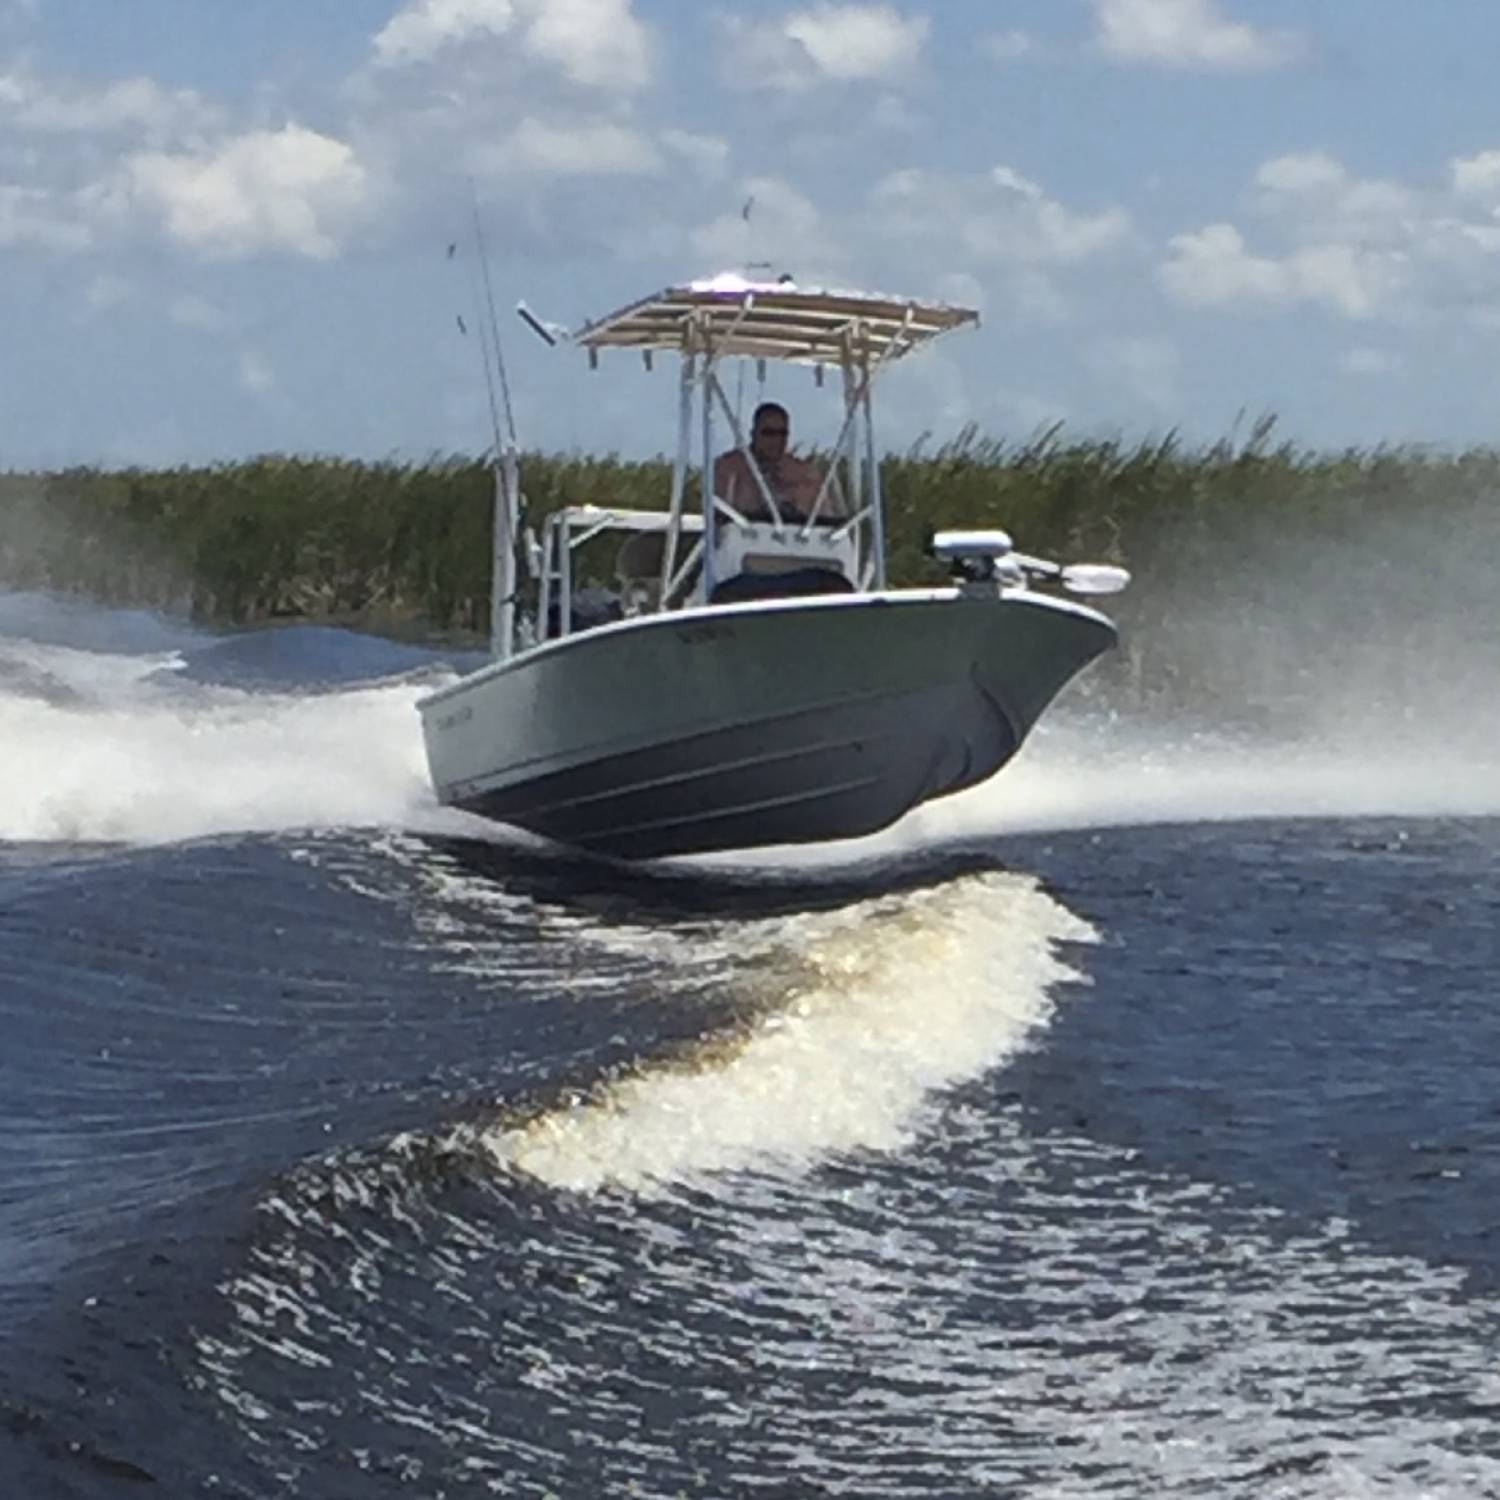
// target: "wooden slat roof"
[[775, 320]]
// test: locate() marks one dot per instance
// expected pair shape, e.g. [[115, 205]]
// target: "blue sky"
[[223, 226]]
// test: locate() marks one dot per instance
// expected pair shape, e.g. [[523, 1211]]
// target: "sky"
[[225, 227]]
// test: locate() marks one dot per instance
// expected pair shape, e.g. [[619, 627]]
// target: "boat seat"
[[780, 583], [785, 562], [638, 572], [591, 607], [757, 560]]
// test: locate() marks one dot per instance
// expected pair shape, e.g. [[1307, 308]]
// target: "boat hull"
[[768, 723]]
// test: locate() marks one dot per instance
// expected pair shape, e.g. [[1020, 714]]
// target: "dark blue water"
[[345, 1154]]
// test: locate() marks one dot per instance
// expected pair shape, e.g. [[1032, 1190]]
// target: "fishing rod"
[[506, 452]]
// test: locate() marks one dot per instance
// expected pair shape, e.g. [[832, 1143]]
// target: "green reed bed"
[[1248, 550]]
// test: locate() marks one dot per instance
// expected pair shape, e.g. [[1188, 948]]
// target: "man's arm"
[[726, 474], [803, 481]]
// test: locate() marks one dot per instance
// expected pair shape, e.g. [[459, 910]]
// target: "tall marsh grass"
[[1264, 552]]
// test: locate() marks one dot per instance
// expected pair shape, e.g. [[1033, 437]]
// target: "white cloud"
[[599, 43], [572, 149], [785, 230], [99, 162], [41, 219], [1302, 173], [1477, 177], [708, 155], [1189, 34], [130, 105], [857, 41], [423, 28], [595, 43], [61, 145], [1362, 248], [1058, 236], [1215, 267], [1003, 218], [760, 55], [825, 43], [1351, 279], [1319, 200], [286, 190], [1012, 180]]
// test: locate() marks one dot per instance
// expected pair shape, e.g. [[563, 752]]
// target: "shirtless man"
[[793, 481]]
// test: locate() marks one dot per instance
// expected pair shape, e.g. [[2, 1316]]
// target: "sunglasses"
[[772, 431]]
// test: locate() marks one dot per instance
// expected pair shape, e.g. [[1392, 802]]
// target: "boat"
[[750, 678]]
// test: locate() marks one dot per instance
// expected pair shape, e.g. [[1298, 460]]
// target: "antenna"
[[752, 265]]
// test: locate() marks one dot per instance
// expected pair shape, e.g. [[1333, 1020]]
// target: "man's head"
[[769, 428]]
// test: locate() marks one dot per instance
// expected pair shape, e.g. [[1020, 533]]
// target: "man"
[[793, 482]]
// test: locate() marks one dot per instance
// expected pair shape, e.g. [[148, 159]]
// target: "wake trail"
[[107, 746], [146, 774], [877, 1006], [1076, 776], [124, 745]]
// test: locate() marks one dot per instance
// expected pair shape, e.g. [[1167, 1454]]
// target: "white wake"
[[97, 746], [1076, 774], [885, 1002], [93, 747]]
